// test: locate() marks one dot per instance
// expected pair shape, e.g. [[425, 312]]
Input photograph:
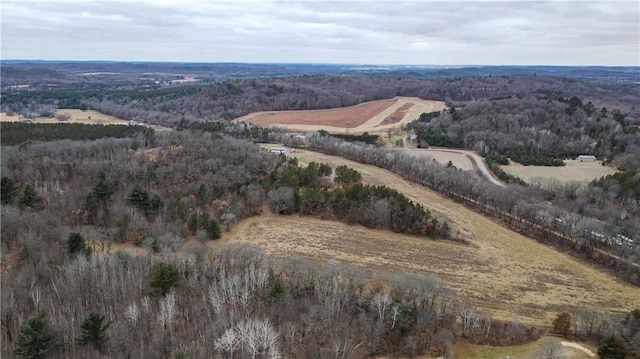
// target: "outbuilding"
[[586, 158]]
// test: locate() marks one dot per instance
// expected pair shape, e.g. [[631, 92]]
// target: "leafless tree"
[[551, 350]]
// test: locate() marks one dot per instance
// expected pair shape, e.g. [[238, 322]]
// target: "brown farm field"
[[365, 117], [500, 271], [75, 116], [572, 171]]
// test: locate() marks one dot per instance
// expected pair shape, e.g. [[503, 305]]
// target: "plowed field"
[[366, 117]]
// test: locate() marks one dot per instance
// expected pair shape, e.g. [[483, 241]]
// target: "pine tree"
[[164, 278], [30, 198], [102, 189], [214, 229], [37, 339], [610, 348], [76, 243], [139, 198], [93, 332], [8, 190]]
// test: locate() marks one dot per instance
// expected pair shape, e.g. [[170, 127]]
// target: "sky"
[[345, 32]]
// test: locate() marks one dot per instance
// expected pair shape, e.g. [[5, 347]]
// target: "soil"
[[398, 115], [366, 117], [347, 117]]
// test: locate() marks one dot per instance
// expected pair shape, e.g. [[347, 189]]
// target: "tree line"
[[15, 133]]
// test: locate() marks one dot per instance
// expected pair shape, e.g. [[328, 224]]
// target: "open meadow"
[[372, 117], [572, 171], [90, 117], [499, 270]]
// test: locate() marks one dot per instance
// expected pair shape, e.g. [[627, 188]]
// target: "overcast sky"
[[360, 32]]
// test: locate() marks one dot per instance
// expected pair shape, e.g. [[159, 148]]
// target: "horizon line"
[[311, 63]]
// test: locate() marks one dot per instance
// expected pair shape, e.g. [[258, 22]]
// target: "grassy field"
[[573, 171], [75, 116], [500, 271], [526, 351]]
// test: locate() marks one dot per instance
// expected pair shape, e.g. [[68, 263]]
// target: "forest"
[[68, 204], [65, 203], [15, 133]]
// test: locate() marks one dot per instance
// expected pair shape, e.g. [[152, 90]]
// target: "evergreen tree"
[[37, 339], [93, 332], [610, 348], [164, 278], [76, 244], [192, 223], [213, 229], [102, 189], [155, 204], [346, 175], [8, 190], [30, 198], [139, 198], [201, 195]]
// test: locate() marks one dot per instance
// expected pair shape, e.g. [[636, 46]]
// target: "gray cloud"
[[413, 32]]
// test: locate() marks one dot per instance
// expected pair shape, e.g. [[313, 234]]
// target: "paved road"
[[479, 161]]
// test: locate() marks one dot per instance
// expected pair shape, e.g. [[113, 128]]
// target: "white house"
[[586, 158]]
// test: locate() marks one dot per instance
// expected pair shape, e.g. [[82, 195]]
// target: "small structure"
[[586, 158], [277, 150]]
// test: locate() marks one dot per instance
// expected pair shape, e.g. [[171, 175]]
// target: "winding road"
[[478, 161]]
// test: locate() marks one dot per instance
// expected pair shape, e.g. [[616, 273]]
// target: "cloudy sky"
[[361, 32]]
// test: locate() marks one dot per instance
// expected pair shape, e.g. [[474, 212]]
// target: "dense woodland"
[[536, 130], [15, 133], [65, 203]]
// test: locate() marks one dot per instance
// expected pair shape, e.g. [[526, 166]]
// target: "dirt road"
[[478, 161]]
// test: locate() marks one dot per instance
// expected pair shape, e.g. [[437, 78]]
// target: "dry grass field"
[[75, 116], [443, 157], [573, 171], [366, 117], [501, 270], [570, 350]]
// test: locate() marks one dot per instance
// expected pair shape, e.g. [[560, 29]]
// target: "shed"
[[586, 158]]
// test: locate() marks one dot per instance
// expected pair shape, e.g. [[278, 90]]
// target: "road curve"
[[479, 161]]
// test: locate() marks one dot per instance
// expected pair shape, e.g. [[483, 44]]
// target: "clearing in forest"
[[572, 171], [373, 116], [500, 271], [90, 117]]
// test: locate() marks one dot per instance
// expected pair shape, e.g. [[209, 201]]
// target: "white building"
[[586, 158]]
